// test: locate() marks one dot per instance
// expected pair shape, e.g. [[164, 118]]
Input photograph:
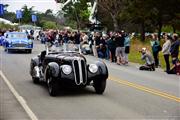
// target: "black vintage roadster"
[[66, 66]]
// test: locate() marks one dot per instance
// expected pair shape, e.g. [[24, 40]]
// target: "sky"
[[39, 5]]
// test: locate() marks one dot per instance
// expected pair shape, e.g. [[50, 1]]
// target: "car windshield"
[[17, 35], [66, 47]]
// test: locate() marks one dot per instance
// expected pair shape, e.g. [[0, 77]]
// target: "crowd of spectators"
[[115, 46]]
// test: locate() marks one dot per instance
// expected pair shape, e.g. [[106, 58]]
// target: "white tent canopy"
[[7, 22]]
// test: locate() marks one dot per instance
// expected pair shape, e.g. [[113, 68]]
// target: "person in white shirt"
[[166, 51]]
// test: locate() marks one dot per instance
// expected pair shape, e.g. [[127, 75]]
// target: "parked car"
[[65, 66], [17, 41]]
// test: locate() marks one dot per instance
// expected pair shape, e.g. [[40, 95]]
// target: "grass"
[[135, 56]]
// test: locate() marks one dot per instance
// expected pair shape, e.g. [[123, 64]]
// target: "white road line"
[[19, 98]]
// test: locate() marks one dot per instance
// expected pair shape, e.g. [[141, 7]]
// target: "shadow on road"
[[65, 91]]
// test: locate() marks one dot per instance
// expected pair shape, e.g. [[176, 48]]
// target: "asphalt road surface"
[[129, 94]]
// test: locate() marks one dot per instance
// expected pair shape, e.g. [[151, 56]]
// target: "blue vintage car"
[[17, 41]]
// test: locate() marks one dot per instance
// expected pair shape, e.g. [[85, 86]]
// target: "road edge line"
[[19, 98]]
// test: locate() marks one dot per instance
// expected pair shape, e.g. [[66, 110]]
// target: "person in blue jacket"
[[127, 48], [155, 49]]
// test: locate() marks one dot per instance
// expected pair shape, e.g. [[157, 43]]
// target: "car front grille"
[[19, 45], [80, 71]]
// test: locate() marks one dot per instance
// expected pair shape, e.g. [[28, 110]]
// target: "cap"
[[143, 49]]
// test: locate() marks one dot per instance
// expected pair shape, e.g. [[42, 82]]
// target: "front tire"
[[29, 51], [52, 86], [99, 85], [35, 80]]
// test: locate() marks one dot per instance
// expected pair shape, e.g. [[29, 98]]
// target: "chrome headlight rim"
[[93, 68], [66, 69]]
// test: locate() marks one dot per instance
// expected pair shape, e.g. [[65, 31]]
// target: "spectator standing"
[[96, 45], [102, 47], [112, 47], [84, 43], [84, 39], [166, 51], [65, 37], [127, 48], [174, 50], [120, 49], [77, 37], [155, 48]]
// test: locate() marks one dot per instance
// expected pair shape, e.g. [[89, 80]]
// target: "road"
[[130, 93]]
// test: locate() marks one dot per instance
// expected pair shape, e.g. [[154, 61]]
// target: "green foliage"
[[49, 25], [167, 28], [71, 23]]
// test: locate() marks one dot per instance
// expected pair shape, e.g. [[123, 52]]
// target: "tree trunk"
[[159, 29], [77, 19], [174, 29], [78, 25], [115, 22], [142, 31]]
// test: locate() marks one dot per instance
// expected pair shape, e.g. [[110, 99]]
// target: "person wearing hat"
[[149, 65]]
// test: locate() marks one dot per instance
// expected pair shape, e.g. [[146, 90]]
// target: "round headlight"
[[67, 69], [93, 68], [30, 42]]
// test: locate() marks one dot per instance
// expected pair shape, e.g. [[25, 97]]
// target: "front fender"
[[34, 62], [102, 69], [102, 72], [53, 69]]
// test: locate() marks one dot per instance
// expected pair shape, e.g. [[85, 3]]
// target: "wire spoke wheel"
[[52, 86]]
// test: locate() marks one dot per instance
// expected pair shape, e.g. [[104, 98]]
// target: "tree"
[[165, 12], [48, 12], [27, 12], [140, 12], [112, 8], [78, 12], [175, 23]]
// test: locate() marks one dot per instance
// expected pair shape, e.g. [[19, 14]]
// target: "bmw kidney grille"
[[80, 73]]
